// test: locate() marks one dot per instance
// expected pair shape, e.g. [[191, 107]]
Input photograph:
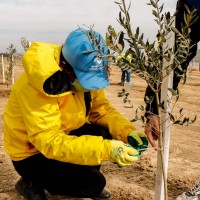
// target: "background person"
[[59, 126]]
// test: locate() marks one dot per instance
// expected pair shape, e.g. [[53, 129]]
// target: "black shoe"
[[105, 195], [29, 190]]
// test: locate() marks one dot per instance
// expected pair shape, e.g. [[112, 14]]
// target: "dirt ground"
[[135, 182]]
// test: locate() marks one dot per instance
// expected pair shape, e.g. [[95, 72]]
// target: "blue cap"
[[91, 70]]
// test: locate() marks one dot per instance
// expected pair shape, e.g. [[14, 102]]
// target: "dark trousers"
[[65, 178], [126, 76]]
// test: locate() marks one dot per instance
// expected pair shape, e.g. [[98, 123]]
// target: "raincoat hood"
[[41, 61]]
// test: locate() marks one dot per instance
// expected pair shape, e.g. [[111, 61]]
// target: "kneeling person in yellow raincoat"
[[59, 126]]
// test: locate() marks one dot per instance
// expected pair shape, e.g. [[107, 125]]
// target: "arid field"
[[134, 182]]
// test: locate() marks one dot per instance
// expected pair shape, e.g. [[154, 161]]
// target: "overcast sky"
[[52, 20]]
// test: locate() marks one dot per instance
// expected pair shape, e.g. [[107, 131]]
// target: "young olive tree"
[[25, 43], [160, 64]]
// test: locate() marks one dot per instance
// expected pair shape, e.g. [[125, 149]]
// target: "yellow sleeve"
[[103, 113], [42, 120]]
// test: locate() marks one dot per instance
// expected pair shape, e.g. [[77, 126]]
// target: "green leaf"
[[129, 6], [167, 16], [137, 31], [175, 30], [155, 13], [185, 120], [143, 119], [194, 119], [141, 108], [161, 7], [153, 3], [187, 8], [162, 105], [117, 3], [121, 38], [120, 18], [180, 111], [174, 92], [120, 48], [121, 9], [178, 122], [171, 117]]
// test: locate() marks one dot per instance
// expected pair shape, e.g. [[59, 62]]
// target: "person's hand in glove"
[[122, 154], [138, 140]]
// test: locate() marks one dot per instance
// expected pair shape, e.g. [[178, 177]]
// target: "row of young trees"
[[8, 76]]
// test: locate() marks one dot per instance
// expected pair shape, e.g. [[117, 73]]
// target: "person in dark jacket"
[[152, 127]]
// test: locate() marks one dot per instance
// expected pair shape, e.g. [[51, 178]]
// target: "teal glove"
[[138, 140], [122, 154]]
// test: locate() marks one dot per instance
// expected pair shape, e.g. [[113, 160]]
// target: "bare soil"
[[135, 182]]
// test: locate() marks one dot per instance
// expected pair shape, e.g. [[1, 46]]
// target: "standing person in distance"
[[126, 76]]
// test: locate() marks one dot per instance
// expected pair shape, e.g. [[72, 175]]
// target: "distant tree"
[[25, 43]]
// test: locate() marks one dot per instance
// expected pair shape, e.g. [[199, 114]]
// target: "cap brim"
[[92, 81]]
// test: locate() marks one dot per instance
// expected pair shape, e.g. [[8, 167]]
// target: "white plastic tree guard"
[[166, 96], [3, 71], [13, 70]]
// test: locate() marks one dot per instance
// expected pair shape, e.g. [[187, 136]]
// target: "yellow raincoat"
[[37, 122]]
